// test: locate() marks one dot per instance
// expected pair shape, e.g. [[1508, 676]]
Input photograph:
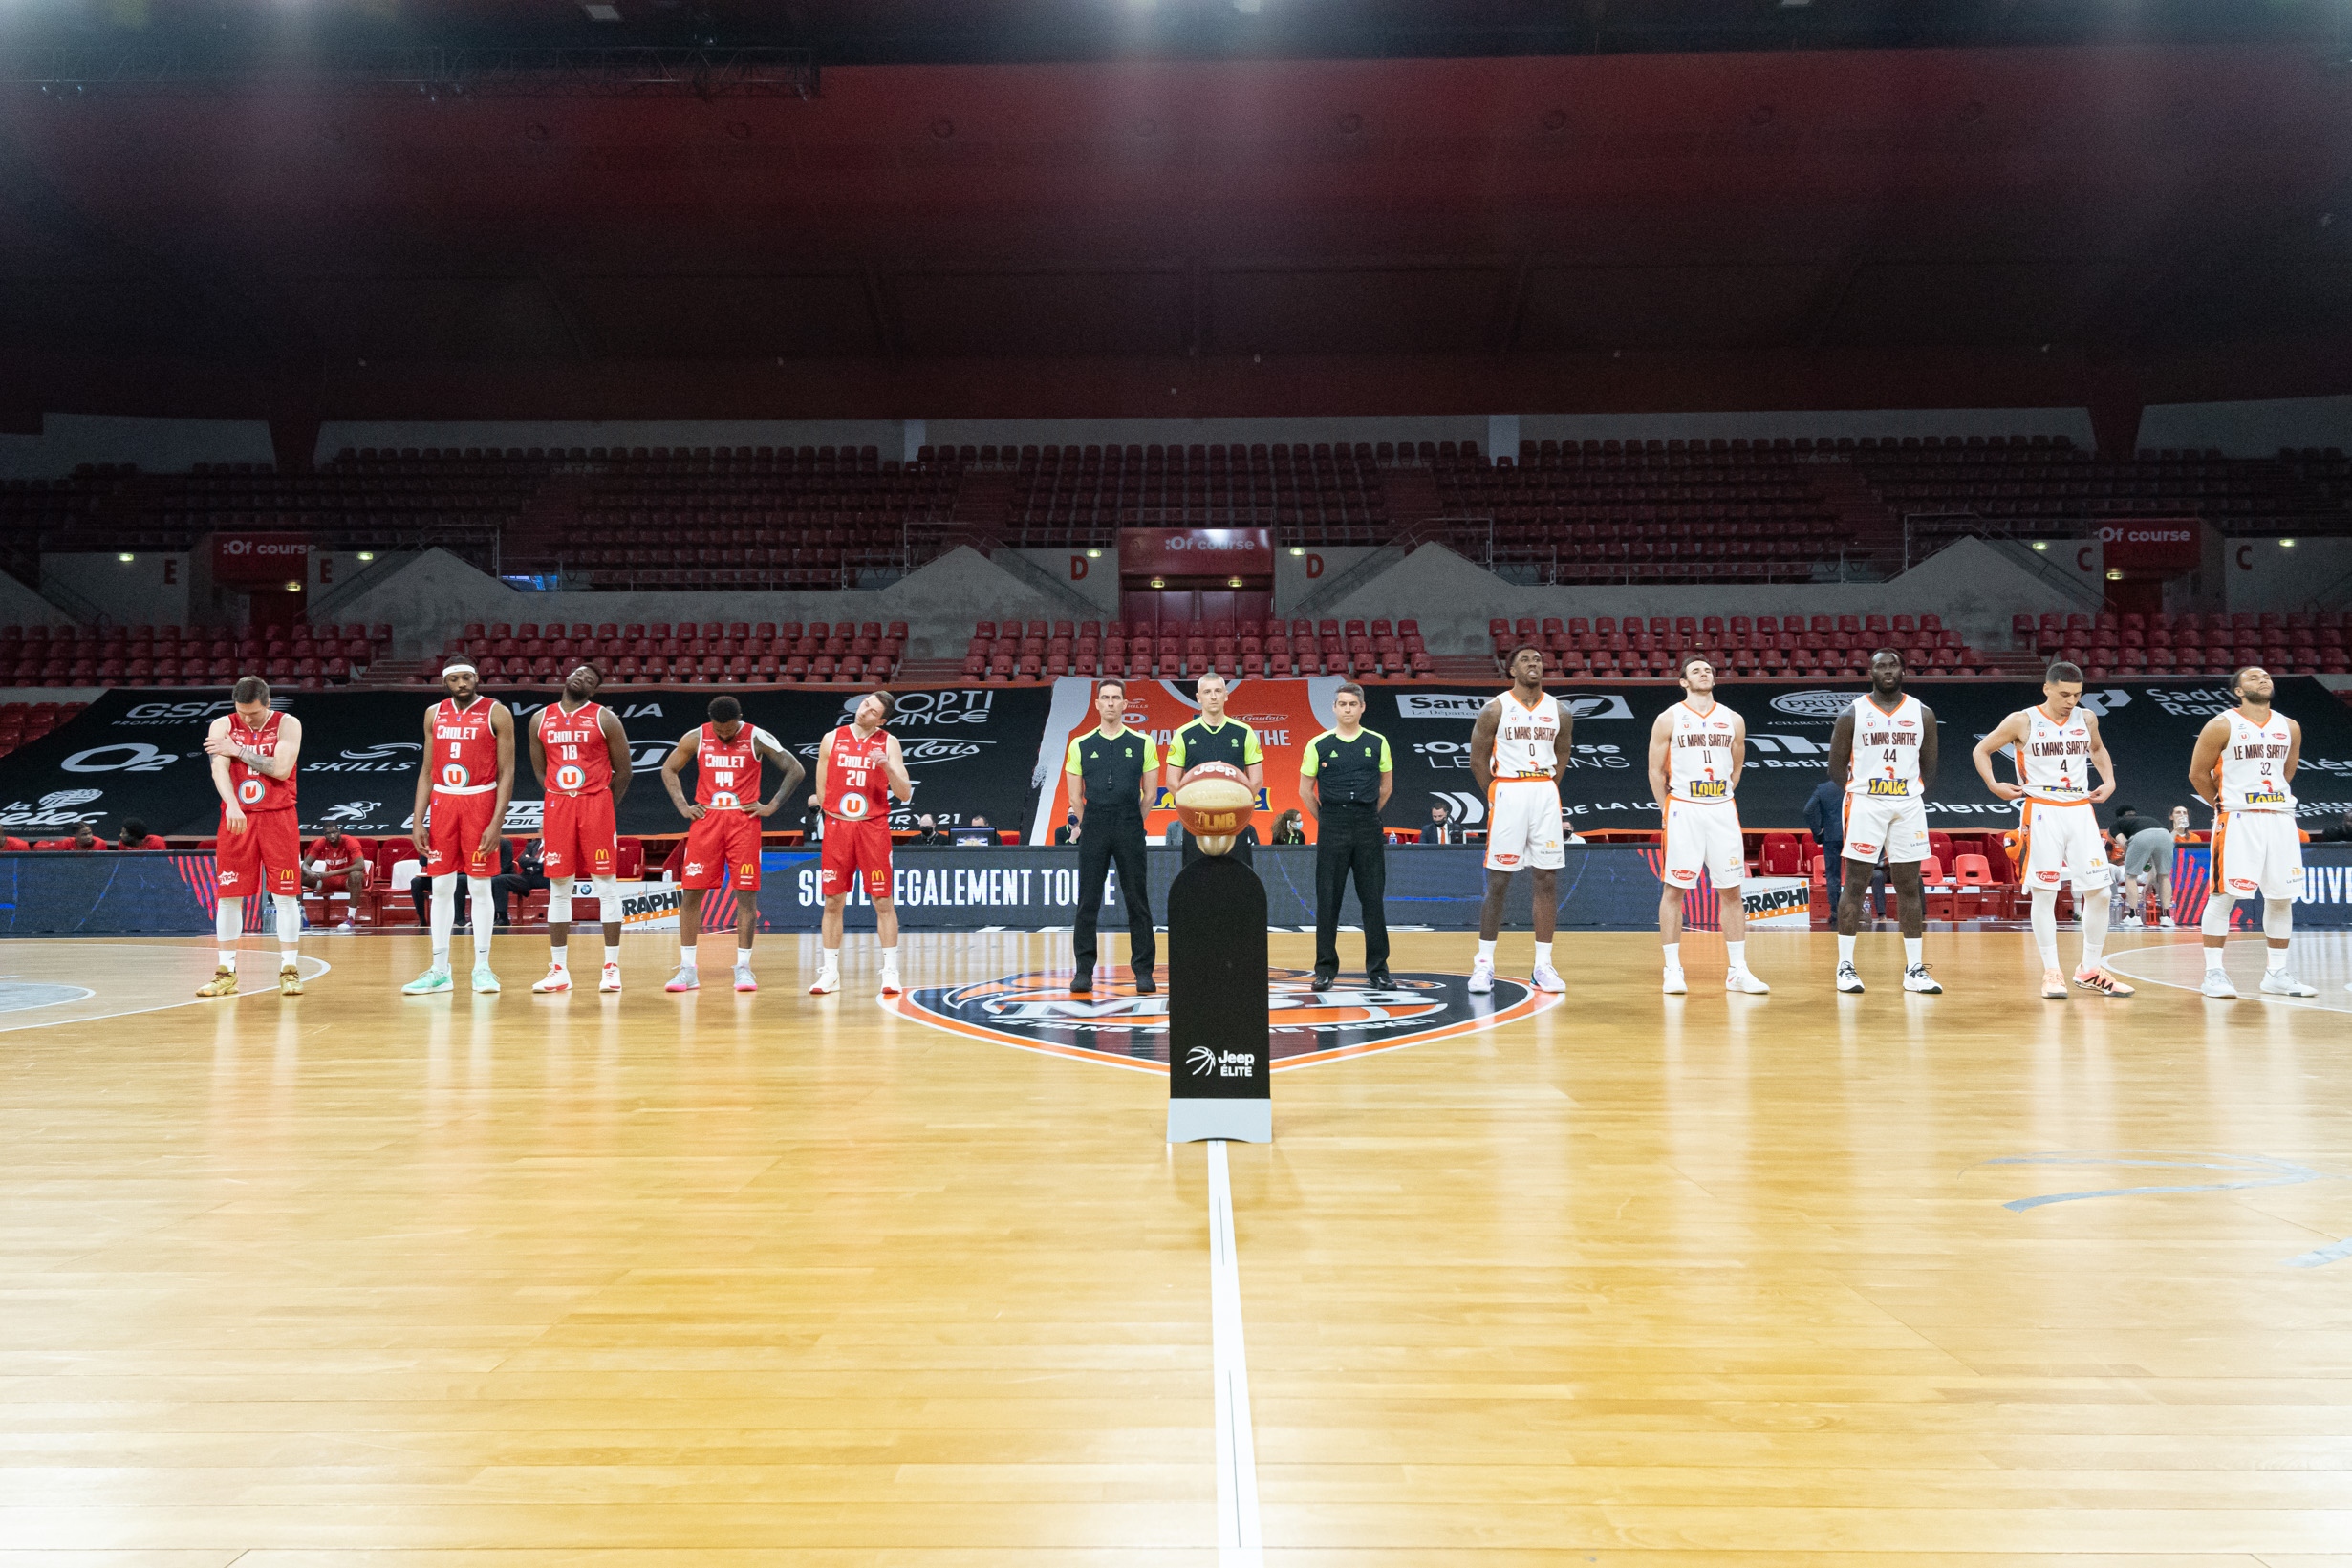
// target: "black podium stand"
[[1220, 1064]]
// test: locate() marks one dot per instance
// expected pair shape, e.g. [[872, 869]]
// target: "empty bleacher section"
[[1826, 647], [310, 657], [1017, 651], [23, 721], [2165, 645], [1327, 493], [706, 653]]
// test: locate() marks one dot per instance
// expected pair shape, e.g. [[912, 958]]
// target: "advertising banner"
[[1187, 553], [140, 754], [239, 558], [2164, 547]]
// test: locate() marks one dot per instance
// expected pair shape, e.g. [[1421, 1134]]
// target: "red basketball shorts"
[[266, 857], [577, 837], [854, 849], [453, 827], [720, 842]]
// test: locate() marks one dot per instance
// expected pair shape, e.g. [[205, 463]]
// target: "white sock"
[[444, 917], [832, 958], [611, 953], [1486, 954], [2278, 926], [2097, 906], [608, 909], [1914, 952], [890, 957], [685, 958], [1543, 954], [2275, 960], [2045, 925], [1846, 950], [2212, 960], [290, 927], [1673, 954], [1739, 951], [557, 954], [227, 926], [479, 889], [743, 961]]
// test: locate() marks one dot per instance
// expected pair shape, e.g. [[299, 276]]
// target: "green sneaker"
[[426, 984], [485, 981]]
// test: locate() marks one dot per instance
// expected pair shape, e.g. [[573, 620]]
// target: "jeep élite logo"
[[1036, 1012]]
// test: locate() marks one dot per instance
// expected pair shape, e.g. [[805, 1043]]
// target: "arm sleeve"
[[1249, 748], [1071, 762], [1310, 763], [1386, 766], [1176, 749]]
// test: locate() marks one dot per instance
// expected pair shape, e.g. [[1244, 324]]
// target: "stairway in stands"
[[1874, 534], [396, 672], [984, 503]]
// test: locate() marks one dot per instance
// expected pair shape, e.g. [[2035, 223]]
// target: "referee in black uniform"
[[1111, 769], [1345, 780], [1213, 738]]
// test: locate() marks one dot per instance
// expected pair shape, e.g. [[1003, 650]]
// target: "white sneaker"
[[2277, 982], [1675, 984], [827, 982], [485, 982], [558, 979], [2168, 922], [1547, 978], [890, 983], [611, 979], [1849, 979], [1917, 978], [2217, 984], [1740, 980], [1482, 978], [743, 978]]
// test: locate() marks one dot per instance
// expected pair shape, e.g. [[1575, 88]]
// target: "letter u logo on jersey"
[[249, 792], [723, 800], [571, 776], [454, 775], [853, 806]]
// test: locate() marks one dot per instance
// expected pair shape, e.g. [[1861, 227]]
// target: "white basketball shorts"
[[1889, 827], [2062, 841], [2257, 852], [1522, 825], [1704, 838]]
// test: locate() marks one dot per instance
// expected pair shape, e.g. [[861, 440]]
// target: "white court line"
[[1236, 1451], [80, 943]]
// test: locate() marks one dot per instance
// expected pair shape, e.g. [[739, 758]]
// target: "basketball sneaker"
[[890, 983], [485, 982], [1917, 978], [2091, 978], [1745, 984], [558, 979], [827, 982], [435, 978], [1849, 979], [1675, 984], [1482, 978], [1547, 978], [223, 983], [289, 981], [2053, 983], [611, 979], [2217, 985], [1082, 984], [686, 979], [2277, 982], [743, 978]]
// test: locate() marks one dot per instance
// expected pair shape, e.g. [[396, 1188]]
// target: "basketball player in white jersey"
[[1884, 751], [1516, 749], [2244, 760], [1696, 750], [2055, 746]]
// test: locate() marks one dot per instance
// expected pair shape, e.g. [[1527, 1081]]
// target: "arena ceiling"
[[1685, 229]]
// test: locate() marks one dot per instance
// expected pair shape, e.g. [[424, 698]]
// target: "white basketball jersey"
[[2054, 762], [1698, 755], [1525, 738], [1885, 757], [2254, 765]]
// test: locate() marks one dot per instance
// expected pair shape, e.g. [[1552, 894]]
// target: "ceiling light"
[[1160, 582], [126, 557], [1094, 555], [367, 555], [2040, 544], [293, 587], [1298, 550], [2115, 576], [2283, 543]]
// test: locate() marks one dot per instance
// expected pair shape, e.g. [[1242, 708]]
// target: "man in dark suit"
[[1440, 829], [1824, 816]]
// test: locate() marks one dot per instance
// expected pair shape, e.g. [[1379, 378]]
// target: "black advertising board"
[[2150, 728], [140, 754]]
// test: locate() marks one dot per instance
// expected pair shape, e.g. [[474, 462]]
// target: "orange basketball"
[[1214, 803]]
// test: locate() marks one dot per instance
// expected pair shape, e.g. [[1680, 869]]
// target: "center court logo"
[[1034, 1011]]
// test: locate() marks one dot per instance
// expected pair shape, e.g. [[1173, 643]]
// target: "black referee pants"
[[1349, 841], [1106, 839]]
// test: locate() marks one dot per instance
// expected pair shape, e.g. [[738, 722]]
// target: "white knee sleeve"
[[2216, 921], [2044, 906], [228, 921], [2279, 920], [290, 920], [607, 898], [444, 910], [559, 901], [478, 888]]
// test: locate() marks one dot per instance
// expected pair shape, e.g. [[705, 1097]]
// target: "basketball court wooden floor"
[[785, 1280]]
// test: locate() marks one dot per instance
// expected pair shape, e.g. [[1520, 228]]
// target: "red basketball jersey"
[[465, 760], [857, 783], [255, 790], [580, 762], [726, 773]]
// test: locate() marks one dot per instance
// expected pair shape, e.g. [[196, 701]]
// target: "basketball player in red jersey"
[[859, 768], [724, 841], [254, 753], [581, 756], [462, 790]]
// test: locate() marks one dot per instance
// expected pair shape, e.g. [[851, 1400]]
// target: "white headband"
[[461, 664]]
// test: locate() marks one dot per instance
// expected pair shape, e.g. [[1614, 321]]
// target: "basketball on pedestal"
[[1214, 803], [1220, 1039]]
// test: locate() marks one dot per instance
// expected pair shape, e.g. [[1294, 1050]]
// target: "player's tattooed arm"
[[1930, 747], [895, 765], [281, 766], [1482, 746], [2207, 758], [419, 833], [2009, 732], [1842, 749], [2099, 760], [616, 745], [1661, 740], [673, 773], [501, 725]]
